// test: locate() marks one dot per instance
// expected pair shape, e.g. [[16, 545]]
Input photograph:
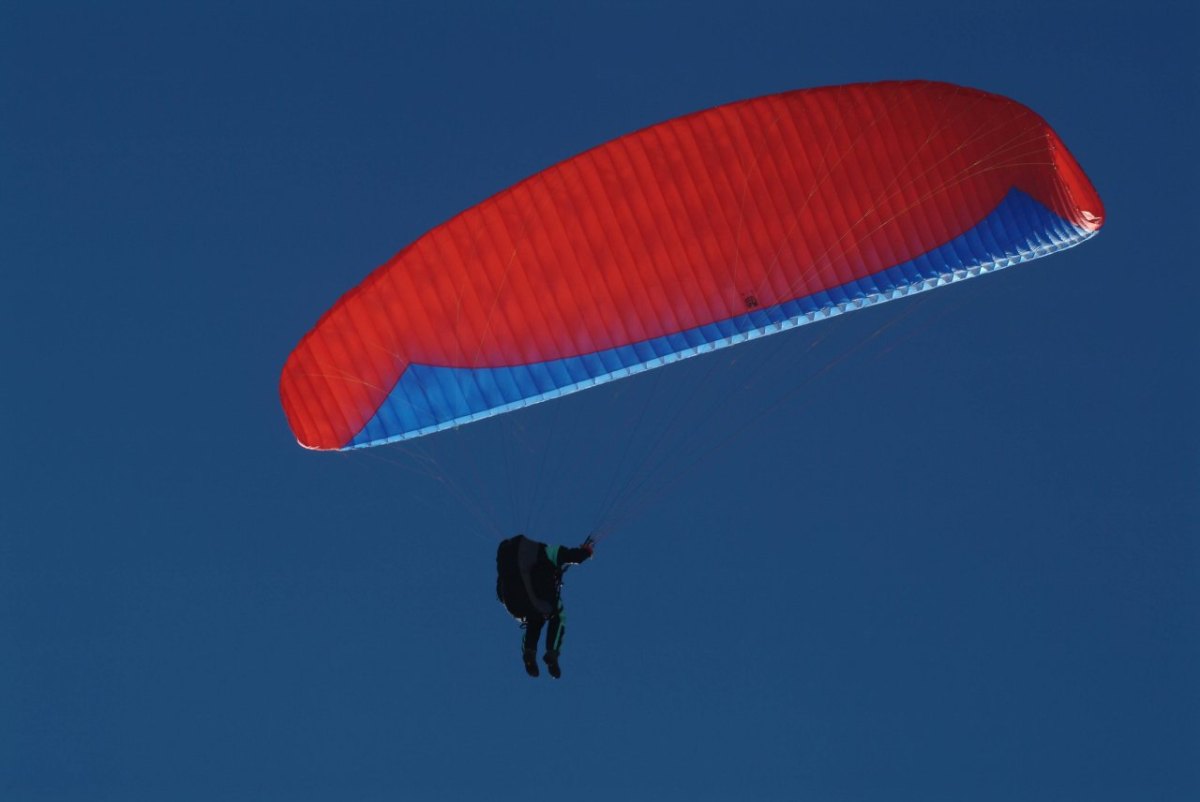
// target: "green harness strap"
[[562, 629], [552, 553]]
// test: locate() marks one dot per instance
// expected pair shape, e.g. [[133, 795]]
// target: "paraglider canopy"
[[694, 234]]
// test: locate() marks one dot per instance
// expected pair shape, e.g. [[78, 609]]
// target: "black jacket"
[[529, 574]]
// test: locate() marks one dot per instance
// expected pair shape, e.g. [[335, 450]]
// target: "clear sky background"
[[955, 558]]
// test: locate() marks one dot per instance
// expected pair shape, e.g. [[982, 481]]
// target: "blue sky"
[[955, 558]]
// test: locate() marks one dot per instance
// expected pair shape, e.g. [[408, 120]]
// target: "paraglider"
[[529, 584], [685, 237]]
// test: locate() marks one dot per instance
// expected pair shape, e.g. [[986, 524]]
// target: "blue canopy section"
[[428, 398]]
